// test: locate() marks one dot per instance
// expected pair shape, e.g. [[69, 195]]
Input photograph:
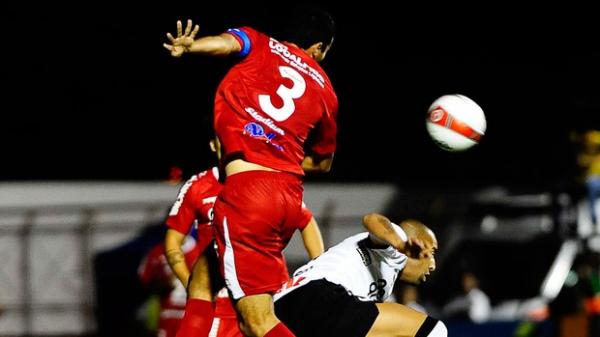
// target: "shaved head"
[[421, 261], [417, 229]]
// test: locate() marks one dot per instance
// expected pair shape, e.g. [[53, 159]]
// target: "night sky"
[[90, 93]]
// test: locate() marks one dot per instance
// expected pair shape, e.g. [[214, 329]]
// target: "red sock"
[[279, 330], [197, 320]]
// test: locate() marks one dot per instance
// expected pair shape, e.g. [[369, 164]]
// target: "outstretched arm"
[[186, 42], [313, 241]]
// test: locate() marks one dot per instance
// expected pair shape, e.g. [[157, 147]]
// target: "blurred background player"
[[156, 275], [408, 295], [265, 108], [473, 304], [588, 159], [194, 208], [342, 292]]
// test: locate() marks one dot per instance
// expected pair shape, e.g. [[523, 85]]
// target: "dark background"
[[88, 92]]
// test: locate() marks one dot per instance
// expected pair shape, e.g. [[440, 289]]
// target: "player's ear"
[[316, 51]]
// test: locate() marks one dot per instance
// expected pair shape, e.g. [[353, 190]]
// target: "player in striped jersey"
[[342, 292]]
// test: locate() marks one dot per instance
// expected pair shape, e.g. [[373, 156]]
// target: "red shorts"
[[225, 323], [225, 327], [223, 306], [255, 215]]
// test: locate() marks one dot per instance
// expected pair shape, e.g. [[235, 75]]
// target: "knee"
[[257, 316], [257, 325], [245, 329], [199, 289], [255, 328]]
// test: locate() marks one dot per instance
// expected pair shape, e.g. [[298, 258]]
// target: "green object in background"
[[596, 283], [525, 329], [152, 313]]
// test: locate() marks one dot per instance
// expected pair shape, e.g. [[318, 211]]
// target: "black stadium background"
[[90, 93]]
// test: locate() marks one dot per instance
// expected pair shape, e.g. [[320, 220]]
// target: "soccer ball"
[[455, 122]]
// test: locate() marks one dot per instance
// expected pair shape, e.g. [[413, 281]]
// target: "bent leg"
[[397, 320], [198, 318], [199, 286], [258, 317]]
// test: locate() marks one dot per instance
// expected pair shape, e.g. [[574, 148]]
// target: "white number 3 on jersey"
[[287, 95]]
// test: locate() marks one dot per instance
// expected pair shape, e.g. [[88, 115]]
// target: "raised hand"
[[182, 43]]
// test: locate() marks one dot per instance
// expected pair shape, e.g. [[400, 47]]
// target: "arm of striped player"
[[383, 232], [313, 241]]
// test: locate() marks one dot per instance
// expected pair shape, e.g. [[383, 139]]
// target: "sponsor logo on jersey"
[[267, 121], [295, 61], [256, 130]]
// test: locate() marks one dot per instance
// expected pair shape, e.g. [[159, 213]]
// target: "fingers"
[[175, 52], [188, 27], [179, 28], [195, 31], [170, 37]]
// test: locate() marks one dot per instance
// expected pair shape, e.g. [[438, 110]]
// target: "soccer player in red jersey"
[[194, 207], [265, 108]]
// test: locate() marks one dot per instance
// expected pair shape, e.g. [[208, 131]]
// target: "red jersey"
[[268, 103], [194, 206], [155, 271]]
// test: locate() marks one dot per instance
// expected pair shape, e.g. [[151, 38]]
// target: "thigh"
[[228, 327], [257, 314], [395, 319], [199, 286]]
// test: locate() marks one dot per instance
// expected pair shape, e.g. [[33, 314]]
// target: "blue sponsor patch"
[[256, 130]]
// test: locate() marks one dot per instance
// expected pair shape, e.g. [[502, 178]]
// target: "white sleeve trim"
[[396, 228], [401, 233]]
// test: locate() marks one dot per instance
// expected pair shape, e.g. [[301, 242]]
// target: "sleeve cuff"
[[401, 233], [243, 39]]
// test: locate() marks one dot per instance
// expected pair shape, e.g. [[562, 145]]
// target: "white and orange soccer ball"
[[455, 122]]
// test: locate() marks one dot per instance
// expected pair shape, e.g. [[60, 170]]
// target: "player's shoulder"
[[205, 178], [249, 32]]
